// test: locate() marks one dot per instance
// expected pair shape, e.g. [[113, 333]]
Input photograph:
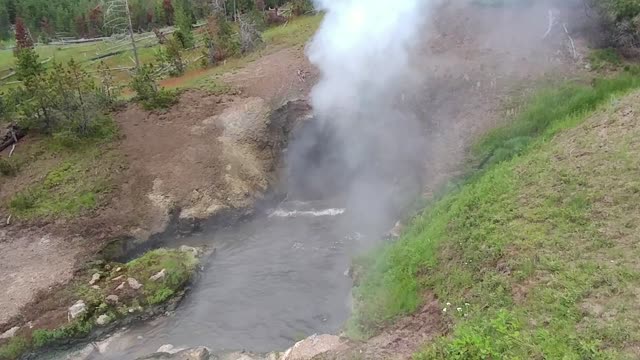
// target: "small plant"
[[76, 329], [170, 56], [301, 7], [147, 91], [8, 167], [14, 348]]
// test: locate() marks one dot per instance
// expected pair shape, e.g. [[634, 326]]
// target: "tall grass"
[[395, 275], [547, 108]]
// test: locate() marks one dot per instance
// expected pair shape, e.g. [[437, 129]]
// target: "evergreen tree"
[[5, 24], [184, 34]]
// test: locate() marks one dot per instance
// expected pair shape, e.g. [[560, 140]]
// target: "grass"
[[534, 256], [73, 187], [548, 108], [604, 59], [296, 32], [179, 266], [76, 184]]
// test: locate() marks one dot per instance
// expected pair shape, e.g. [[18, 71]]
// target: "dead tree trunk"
[[11, 135]]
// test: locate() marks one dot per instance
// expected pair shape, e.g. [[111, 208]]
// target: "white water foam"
[[296, 213]]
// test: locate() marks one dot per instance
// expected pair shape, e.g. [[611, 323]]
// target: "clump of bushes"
[[62, 100], [148, 93], [622, 19]]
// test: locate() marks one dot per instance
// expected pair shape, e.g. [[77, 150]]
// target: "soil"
[[198, 158], [206, 154]]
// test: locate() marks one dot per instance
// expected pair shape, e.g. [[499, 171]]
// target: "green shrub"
[[8, 167], [76, 329], [301, 7], [14, 348], [147, 91]]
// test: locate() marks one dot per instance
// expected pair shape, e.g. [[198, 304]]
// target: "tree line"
[[51, 19]]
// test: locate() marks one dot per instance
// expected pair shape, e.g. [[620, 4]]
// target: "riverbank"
[[208, 158]]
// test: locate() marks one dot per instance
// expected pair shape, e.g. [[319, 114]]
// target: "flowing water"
[[273, 280], [279, 276]]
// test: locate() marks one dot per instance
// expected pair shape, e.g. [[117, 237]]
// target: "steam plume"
[[373, 143]]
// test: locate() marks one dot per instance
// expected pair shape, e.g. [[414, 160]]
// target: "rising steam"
[[371, 145]]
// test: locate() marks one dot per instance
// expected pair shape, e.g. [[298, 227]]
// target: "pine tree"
[[5, 24], [184, 34]]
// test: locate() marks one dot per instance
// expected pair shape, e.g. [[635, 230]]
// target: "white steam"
[[362, 50]]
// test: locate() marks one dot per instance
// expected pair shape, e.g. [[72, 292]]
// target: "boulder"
[[76, 309], [94, 279], [198, 353], [169, 349], [86, 353], [159, 276], [195, 251], [312, 346], [112, 299], [133, 283], [103, 319], [10, 333]]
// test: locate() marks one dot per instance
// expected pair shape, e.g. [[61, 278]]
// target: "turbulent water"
[[273, 280]]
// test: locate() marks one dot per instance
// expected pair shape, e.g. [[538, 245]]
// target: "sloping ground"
[[207, 154], [535, 258]]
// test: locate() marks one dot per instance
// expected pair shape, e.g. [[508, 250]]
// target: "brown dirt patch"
[[278, 77], [401, 340]]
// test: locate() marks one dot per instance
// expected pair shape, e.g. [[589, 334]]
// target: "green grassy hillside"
[[534, 256]]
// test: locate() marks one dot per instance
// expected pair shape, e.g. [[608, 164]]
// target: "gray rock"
[[159, 276], [112, 299], [240, 356], [103, 319], [76, 309], [312, 346], [198, 353], [85, 353], [133, 283], [10, 333], [195, 251], [94, 279], [169, 349]]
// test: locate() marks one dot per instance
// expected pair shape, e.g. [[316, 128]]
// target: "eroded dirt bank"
[[206, 155]]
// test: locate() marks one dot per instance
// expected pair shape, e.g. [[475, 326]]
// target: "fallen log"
[[11, 135]]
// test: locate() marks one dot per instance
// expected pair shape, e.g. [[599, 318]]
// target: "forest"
[[53, 19]]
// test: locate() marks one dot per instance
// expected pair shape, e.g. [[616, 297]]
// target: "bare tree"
[[250, 37], [118, 18]]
